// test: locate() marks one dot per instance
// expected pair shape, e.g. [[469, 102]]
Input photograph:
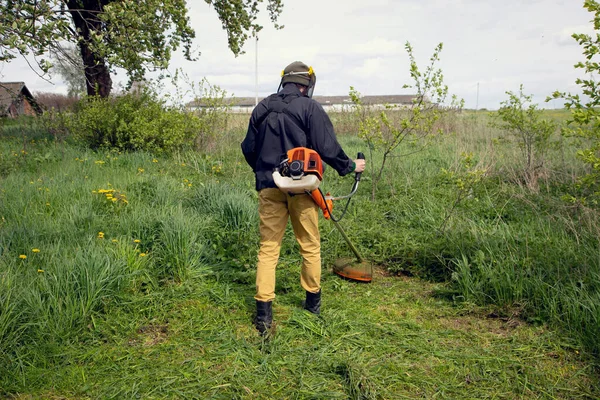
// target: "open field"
[[131, 275]]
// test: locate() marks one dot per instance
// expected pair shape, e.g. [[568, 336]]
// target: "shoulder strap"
[[281, 106]]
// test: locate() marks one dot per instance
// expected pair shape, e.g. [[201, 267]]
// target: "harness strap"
[[281, 106]]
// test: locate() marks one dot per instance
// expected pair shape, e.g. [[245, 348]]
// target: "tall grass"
[[188, 222]]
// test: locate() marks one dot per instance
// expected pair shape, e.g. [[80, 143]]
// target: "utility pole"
[[256, 72]]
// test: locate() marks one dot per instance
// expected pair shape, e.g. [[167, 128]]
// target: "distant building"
[[329, 103], [17, 100]]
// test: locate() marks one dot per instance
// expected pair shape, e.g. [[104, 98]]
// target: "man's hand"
[[360, 165]]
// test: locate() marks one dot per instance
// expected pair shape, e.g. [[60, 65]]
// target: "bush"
[[523, 121], [584, 122], [133, 122]]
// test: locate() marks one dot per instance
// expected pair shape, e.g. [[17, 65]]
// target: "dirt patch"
[[151, 335], [495, 325]]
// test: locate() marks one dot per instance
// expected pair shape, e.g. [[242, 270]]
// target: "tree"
[[584, 122], [388, 129], [520, 117], [69, 66], [137, 36]]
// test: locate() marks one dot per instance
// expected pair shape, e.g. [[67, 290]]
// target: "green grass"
[[150, 295], [391, 339]]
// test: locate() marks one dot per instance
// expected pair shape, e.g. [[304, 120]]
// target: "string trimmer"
[[302, 172]]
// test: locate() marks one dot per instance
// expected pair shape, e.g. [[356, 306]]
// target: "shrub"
[[584, 123], [385, 131], [133, 122], [522, 120]]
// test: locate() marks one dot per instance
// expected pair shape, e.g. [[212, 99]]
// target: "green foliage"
[[160, 304], [523, 121], [384, 134], [234, 219], [584, 123], [465, 180], [133, 122], [136, 36], [141, 120], [213, 115]]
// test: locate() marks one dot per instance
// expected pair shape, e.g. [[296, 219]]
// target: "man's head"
[[301, 74]]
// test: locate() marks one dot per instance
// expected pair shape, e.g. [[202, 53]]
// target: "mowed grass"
[[391, 339]]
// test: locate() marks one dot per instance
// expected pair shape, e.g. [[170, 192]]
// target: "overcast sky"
[[491, 45]]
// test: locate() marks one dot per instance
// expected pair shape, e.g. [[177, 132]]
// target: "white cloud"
[[378, 47]]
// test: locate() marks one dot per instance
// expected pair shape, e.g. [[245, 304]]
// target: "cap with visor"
[[300, 73]]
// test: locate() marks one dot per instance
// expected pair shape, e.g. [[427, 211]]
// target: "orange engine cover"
[[310, 158]]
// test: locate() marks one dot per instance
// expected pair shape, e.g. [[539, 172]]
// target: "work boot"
[[264, 316], [313, 302]]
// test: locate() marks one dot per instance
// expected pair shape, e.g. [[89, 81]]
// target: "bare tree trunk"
[[85, 18]]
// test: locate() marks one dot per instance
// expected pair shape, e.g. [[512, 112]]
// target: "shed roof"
[[9, 91]]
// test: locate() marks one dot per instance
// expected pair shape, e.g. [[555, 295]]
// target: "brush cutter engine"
[[302, 172]]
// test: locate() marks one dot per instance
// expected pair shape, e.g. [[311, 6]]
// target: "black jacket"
[[285, 120]]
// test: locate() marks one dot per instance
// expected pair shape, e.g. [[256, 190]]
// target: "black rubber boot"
[[264, 316], [313, 302]]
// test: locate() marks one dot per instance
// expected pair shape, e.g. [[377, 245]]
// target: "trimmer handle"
[[360, 156]]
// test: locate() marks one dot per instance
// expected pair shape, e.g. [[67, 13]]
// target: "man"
[[287, 119]]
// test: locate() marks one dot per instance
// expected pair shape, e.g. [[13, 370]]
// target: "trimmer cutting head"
[[354, 270]]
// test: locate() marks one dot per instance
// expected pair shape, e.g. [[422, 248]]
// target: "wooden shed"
[[17, 100]]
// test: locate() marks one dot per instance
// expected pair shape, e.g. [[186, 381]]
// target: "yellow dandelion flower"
[[48, 204], [140, 170], [137, 241], [142, 254], [99, 162], [114, 240], [154, 160], [113, 199], [22, 256], [40, 271], [35, 250], [100, 235]]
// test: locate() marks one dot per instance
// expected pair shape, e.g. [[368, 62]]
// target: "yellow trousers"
[[274, 208]]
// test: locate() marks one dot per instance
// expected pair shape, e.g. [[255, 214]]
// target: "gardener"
[[287, 119]]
